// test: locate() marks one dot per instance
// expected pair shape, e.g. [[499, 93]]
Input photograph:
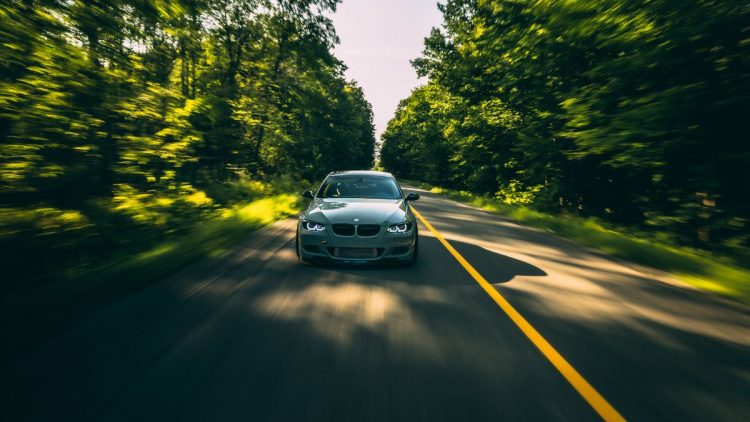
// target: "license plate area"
[[355, 253]]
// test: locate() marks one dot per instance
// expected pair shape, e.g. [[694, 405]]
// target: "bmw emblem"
[[356, 220]]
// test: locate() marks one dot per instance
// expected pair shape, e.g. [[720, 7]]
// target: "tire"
[[296, 243], [297, 250], [415, 255]]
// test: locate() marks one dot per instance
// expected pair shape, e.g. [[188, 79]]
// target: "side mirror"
[[308, 194], [412, 196]]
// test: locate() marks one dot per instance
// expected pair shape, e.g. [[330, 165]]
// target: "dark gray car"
[[358, 217]]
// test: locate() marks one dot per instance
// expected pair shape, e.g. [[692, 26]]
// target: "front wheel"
[[297, 250], [415, 254], [296, 243]]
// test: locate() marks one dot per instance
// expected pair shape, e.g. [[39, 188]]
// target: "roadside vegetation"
[[695, 267], [98, 264], [127, 124], [593, 114], [139, 136]]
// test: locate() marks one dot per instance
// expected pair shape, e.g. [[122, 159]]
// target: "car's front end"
[[359, 242], [357, 230]]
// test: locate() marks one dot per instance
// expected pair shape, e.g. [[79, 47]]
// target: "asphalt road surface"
[[257, 336]]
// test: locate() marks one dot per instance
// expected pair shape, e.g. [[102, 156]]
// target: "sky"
[[378, 38]]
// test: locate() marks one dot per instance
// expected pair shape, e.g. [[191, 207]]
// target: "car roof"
[[360, 173]]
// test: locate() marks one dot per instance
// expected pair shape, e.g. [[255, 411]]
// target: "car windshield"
[[372, 187]]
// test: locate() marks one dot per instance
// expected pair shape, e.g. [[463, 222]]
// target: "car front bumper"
[[385, 246]]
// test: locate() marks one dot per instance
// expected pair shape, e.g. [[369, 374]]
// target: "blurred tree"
[[629, 112], [116, 117]]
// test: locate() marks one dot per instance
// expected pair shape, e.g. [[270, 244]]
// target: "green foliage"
[[629, 112], [125, 123], [102, 275], [695, 267]]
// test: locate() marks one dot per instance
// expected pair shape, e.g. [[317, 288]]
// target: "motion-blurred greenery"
[[43, 245], [131, 127], [630, 112], [693, 266], [137, 136], [62, 267]]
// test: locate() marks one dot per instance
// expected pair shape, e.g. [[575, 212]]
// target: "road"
[[255, 335]]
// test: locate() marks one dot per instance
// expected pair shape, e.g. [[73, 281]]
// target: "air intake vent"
[[368, 230], [343, 229], [399, 250]]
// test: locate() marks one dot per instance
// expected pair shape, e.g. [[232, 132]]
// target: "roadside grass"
[[33, 314], [211, 238], [696, 268]]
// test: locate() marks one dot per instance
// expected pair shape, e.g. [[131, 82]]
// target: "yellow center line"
[[589, 393]]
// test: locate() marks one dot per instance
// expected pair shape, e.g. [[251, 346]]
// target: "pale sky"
[[378, 38]]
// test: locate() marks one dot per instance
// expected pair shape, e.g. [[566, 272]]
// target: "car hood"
[[368, 211]]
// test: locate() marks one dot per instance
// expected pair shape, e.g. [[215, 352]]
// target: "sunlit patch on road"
[[336, 311]]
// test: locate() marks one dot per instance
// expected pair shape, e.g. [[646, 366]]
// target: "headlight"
[[399, 228], [313, 226]]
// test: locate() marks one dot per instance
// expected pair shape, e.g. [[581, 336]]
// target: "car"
[[358, 217]]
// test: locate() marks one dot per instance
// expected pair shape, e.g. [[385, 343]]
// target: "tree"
[[628, 112]]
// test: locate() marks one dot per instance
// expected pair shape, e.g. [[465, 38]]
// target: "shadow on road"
[[494, 267], [258, 335]]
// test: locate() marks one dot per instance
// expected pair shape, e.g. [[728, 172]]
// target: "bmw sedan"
[[358, 217]]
